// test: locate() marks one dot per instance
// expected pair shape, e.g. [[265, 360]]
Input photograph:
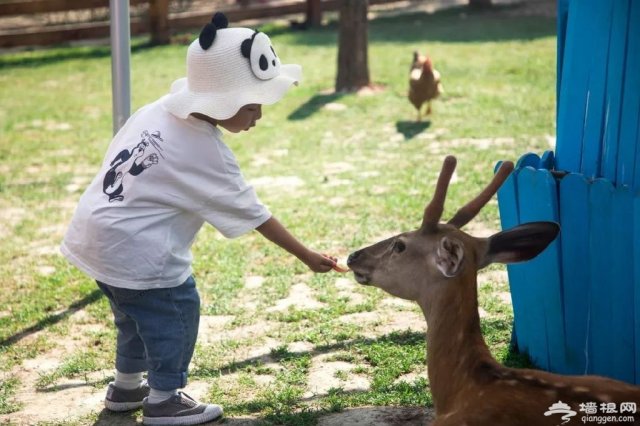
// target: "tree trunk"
[[353, 62], [314, 13], [159, 21]]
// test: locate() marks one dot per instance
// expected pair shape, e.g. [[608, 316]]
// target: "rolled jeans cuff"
[[130, 365], [167, 381]]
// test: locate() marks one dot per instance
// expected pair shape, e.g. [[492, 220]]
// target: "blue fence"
[[577, 306]]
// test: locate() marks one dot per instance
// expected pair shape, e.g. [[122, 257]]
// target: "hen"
[[424, 83]]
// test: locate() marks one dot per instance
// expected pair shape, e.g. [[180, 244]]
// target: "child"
[[166, 172]]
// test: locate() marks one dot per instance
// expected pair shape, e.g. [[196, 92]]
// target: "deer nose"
[[353, 257]]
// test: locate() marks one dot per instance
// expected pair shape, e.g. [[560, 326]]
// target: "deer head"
[[414, 265]]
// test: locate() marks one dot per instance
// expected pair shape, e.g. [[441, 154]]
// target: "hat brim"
[[225, 104]]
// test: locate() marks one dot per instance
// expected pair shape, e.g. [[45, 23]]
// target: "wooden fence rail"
[[159, 23]]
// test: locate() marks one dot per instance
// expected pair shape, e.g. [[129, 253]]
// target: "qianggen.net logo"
[[594, 413]]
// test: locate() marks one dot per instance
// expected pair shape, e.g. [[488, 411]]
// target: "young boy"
[[166, 172]]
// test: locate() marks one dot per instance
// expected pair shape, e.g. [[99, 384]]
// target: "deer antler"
[[471, 209], [434, 209]]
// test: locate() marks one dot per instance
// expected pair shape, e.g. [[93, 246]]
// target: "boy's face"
[[244, 119]]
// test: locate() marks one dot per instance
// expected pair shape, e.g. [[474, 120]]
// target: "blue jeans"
[[157, 331]]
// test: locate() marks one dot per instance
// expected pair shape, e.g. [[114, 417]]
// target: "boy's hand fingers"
[[337, 266], [331, 260]]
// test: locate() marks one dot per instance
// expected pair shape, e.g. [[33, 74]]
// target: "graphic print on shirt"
[[131, 163]]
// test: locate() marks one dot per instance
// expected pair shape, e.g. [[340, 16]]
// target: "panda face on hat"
[[263, 59]]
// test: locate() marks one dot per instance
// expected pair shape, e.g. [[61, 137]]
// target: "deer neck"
[[455, 346]]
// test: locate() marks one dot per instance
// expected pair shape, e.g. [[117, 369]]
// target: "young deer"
[[437, 266]]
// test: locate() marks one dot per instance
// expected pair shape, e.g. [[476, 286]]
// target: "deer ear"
[[449, 256], [521, 243]]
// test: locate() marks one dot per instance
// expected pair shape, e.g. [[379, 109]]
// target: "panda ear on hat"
[[208, 33], [245, 47]]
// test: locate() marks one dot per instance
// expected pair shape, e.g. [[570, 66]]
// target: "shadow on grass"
[[313, 105], [410, 129], [52, 319], [452, 25], [407, 338], [112, 418], [44, 56], [398, 338], [404, 403], [80, 384]]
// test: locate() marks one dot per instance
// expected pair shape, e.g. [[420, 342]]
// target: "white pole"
[[120, 59]]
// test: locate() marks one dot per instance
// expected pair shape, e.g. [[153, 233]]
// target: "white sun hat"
[[228, 68]]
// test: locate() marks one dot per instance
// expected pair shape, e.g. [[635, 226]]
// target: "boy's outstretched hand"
[[319, 262], [273, 230]]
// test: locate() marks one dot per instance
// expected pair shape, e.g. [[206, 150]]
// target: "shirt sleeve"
[[235, 214], [234, 207]]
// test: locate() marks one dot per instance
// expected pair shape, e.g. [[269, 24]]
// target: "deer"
[[437, 266]]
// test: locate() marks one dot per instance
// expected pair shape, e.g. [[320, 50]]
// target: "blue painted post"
[[599, 25], [536, 293], [601, 336], [573, 96], [636, 274], [574, 220], [509, 216], [628, 171], [577, 306], [541, 204], [621, 286], [613, 95]]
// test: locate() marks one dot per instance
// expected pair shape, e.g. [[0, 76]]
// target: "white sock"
[[156, 396], [127, 380]]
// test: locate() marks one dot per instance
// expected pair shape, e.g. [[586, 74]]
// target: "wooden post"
[[159, 21], [314, 13], [353, 62]]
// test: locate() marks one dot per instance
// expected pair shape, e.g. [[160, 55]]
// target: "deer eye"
[[399, 246]]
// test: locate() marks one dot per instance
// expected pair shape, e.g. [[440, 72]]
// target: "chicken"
[[424, 83]]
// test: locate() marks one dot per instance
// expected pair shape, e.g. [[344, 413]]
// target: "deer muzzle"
[[359, 273]]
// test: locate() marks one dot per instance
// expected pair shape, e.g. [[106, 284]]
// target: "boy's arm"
[[275, 232]]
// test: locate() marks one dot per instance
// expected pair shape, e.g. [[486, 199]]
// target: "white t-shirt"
[[161, 179]]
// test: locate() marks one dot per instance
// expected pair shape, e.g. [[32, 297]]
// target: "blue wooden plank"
[[630, 113], [600, 25], [601, 338], [547, 161], [533, 287], [574, 220], [636, 280], [539, 202], [509, 217], [563, 12], [636, 178], [615, 80], [621, 285], [529, 159], [572, 98]]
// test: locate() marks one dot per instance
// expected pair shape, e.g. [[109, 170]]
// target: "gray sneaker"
[[179, 409], [119, 399]]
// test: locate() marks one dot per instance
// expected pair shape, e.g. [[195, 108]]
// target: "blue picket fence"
[[577, 305]]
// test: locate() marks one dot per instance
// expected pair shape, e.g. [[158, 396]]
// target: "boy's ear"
[[521, 243]]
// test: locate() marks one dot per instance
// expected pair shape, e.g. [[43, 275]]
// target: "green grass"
[[363, 173]]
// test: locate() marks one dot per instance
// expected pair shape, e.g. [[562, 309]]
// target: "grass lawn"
[[278, 344]]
